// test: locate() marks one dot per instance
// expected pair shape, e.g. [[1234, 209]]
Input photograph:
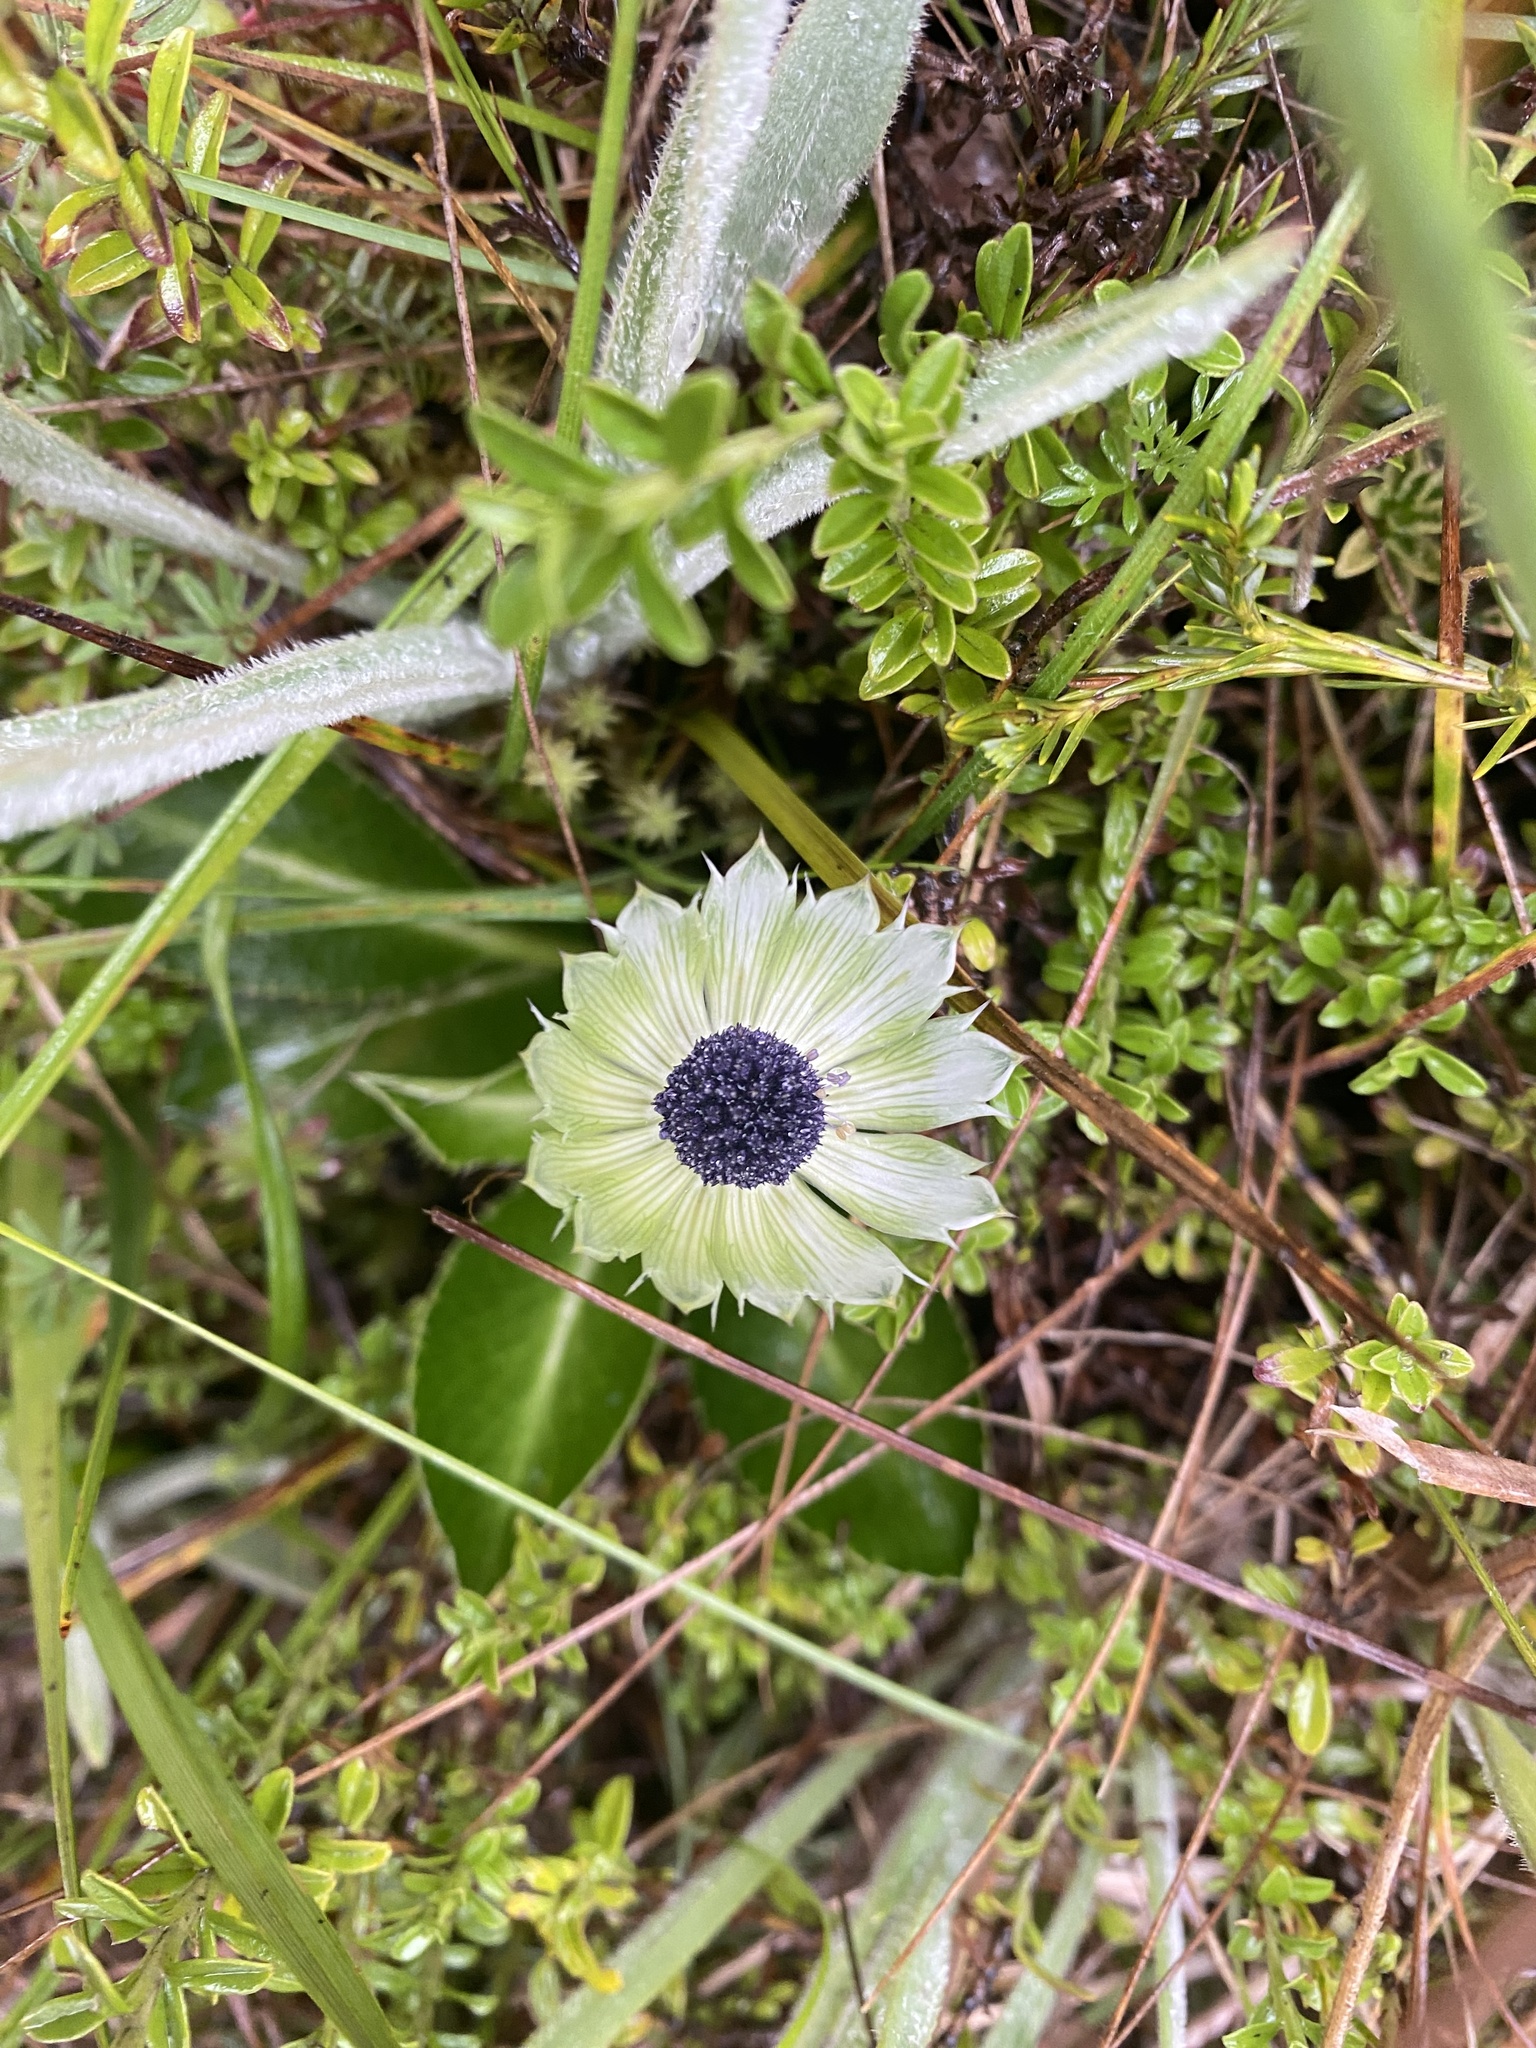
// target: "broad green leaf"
[[896, 1512], [81, 128], [485, 1121], [835, 86], [1381, 71], [104, 264], [258, 230], [256, 310], [1510, 1769], [663, 1947], [205, 146], [222, 1827], [663, 297], [1068, 363], [142, 210], [520, 1378], [168, 90]]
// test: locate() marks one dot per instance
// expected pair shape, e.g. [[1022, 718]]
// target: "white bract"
[[737, 1093]]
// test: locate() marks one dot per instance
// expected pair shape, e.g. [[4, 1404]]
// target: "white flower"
[[735, 1092]]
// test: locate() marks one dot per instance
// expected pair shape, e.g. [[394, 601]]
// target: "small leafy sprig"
[[905, 534], [128, 219], [1378, 1372], [580, 525]]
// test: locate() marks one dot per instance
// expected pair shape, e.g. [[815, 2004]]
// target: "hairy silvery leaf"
[[1084, 356], [670, 266], [50, 469], [839, 76], [62, 764]]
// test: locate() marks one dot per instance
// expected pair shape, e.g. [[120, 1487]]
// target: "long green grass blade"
[[220, 1823], [282, 1237], [389, 78], [1379, 72], [816, 843], [130, 1189], [45, 1341], [200, 873], [827, 1661], [377, 232], [602, 208], [663, 1946], [440, 909], [482, 105]]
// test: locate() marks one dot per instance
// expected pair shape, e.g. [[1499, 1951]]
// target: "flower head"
[[736, 1092]]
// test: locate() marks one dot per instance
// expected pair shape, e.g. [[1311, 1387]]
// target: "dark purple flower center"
[[742, 1109]]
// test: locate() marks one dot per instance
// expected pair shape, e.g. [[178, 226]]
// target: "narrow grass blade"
[[380, 234], [664, 1945], [46, 1337], [825, 119], [61, 764], [1378, 72], [130, 1189], [1071, 362], [602, 209], [816, 843], [828, 1661], [483, 110], [1022, 2020], [662, 301], [445, 910], [1155, 1795], [202, 871], [282, 1238], [392, 82], [948, 1816], [220, 1823]]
